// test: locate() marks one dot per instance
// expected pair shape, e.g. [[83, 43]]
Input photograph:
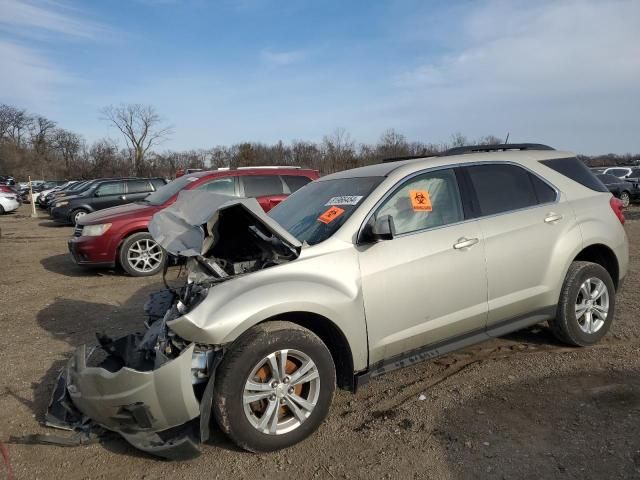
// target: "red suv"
[[119, 236]]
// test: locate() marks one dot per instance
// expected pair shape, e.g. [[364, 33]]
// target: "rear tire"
[[586, 307], [1, 210], [288, 407], [141, 256], [625, 198]]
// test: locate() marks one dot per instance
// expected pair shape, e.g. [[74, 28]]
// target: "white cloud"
[[30, 17], [27, 77], [280, 59], [28, 32], [553, 69]]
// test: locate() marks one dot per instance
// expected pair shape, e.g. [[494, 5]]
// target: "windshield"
[[316, 211], [167, 191]]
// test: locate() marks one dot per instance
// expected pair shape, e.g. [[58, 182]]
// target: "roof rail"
[[409, 157], [500, 147], [267, 167]]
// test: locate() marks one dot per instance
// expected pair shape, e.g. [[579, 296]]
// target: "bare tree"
[[40, 129], [141, 127], [68, 145], [458, 140], [338, 151]]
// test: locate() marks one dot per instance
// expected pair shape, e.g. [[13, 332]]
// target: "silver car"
[[354, 275]]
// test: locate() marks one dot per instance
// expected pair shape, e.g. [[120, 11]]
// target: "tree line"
[[35, 145]]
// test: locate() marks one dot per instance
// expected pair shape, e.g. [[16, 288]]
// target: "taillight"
[[616, 206]]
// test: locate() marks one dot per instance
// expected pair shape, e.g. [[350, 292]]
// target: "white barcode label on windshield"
[[344, 200]]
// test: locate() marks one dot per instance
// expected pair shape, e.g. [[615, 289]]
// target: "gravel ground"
[[522, 406]]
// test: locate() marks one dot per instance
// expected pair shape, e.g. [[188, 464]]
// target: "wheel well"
[[124, 237], [332, 337], [602, 255]]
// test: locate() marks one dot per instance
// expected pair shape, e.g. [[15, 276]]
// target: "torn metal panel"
[[190, 227]]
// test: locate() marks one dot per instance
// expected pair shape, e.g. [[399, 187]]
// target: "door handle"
[[465, 243], [123, 197], [552, 217]]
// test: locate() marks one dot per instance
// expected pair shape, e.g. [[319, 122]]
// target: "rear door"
[[109, 194], [137, 190], [268, 190], [524, 221]]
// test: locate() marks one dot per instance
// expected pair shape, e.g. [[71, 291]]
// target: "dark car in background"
[[627, 191], [101, 194], [37, 188], [119, 235]]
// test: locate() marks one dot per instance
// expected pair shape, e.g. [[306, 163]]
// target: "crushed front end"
[[154, 389]]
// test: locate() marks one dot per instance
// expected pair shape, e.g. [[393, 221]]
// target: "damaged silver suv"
[[354, 275]]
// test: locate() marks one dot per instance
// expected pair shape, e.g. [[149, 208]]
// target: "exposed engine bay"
[[155, 388]]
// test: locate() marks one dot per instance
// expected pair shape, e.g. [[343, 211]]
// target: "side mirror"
[[380, 229]]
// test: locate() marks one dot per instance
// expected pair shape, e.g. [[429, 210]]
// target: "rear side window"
[[138, 186], [501, 188], [544, 192], [113, 188], [295, 182], [225, 186], [577, 171], [157, 183], [261, 185]]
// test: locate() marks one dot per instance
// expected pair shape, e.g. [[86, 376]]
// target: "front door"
[[428, 283]]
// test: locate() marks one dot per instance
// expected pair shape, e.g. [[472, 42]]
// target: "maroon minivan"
[[119, 235]]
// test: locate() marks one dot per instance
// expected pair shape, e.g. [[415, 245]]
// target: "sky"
[[561, 72]]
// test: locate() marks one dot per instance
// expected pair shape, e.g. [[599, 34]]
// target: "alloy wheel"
[[281, 392], [592, 305], [625, 199], [78, 216], [145, 255]]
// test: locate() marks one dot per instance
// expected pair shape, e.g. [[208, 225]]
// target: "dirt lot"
[[522, 406]]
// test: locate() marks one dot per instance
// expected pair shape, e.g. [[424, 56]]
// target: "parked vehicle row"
[[119, 236], [627, 190], [354, 275]]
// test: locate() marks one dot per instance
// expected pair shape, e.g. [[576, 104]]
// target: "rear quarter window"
[[577, 171], [262, 185], [295, 182]]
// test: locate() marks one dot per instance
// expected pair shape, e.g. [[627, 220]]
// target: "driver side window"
[[429, 200]]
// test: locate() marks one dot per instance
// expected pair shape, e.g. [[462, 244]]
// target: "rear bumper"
[[10, 205]]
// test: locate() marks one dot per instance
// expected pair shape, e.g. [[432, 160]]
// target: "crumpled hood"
[[187, 227]]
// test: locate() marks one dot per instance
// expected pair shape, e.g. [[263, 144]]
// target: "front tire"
[[587, 305], [141, 256], [76, 215], [274, 387]]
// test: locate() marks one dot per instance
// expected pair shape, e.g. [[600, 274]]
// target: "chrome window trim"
[[400, 182]]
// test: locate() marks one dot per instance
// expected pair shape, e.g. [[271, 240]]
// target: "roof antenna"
[[506, 140]]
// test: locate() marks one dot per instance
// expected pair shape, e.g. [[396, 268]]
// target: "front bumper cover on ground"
[[155, 410]]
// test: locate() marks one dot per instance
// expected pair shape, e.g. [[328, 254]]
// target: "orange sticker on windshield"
[[331, 214], [420, 200]]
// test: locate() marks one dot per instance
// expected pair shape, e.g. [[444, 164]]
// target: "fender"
[[238, 304]]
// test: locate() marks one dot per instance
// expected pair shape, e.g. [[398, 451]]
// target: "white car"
[[8, 202], [623, 172]]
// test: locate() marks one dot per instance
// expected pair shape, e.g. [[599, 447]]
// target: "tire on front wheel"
[[274, 386], [141, 256], [587, 305]]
